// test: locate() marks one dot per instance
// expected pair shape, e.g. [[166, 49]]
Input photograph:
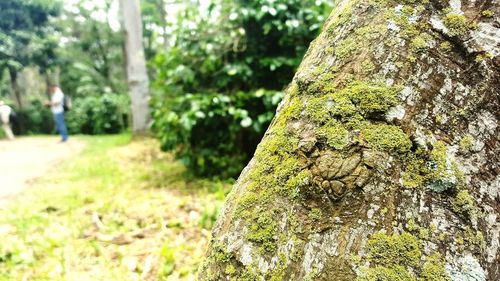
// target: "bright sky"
[[100, 11], [113, 14]]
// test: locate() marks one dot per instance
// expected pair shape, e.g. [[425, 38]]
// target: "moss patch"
[[398, 258], [335, 134], [456, 23], [264, 232], [387, 137], [466, 143], [463, 204], [434, 269], [403, 249], [380, 273]]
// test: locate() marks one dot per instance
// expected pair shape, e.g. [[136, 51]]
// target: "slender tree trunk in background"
[[382, 160], [163, 20], [16, 92], [136, 66]]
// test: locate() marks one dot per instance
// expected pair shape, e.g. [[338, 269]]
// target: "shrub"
[[103, 114], [214, 134], [35, 118]]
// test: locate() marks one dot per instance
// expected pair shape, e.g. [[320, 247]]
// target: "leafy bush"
[[92, 115], [104, 114], [215, 134], [33, 119]]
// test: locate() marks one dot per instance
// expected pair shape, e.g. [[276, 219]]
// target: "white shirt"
[[57, 98], [5, 111]]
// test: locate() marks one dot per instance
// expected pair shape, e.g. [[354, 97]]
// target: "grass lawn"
[[121, 210]]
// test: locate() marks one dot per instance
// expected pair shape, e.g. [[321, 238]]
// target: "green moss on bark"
[[398, 249], [456, 23], [398, 258], [387, 137]]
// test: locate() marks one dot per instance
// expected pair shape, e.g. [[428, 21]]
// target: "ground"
[[117, 210], [26, 159]]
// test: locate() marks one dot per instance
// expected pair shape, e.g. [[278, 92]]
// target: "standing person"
[[5, 112], [57, 107]]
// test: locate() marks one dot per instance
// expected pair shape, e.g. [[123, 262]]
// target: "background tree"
[[136, 66], [91, 57], [25, 38], [378, 163]]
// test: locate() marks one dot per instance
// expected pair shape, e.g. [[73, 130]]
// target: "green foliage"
[[24, 33], [211, 212], [214, 134], [167, 253], [91, 60], [104, 114], [223, 59], [34, 118]]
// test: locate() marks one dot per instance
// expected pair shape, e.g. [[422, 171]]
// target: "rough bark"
[[382, 160], [136, 66]]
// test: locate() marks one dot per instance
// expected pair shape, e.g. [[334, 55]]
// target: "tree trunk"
[[382, 160], [16, 92], [163, 21], [136, 66]]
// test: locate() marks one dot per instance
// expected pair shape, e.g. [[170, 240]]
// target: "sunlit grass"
[[118, 211]]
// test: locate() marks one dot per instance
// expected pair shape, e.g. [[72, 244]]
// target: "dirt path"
[[25, 159]]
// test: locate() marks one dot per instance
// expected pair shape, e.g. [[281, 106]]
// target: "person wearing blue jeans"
[[57, 107]]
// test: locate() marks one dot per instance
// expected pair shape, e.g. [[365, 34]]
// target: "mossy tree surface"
[[380, 163]]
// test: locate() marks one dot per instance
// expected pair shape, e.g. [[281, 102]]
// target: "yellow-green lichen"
[[371, 97], [445, 46], [488, 13], [398, 249], [264, 232], [411, 225], [433, 170], [367, 66], [423, 234], [466, 143], [419, 43], [335, 133], [351, 105], [416, 169], [220, 254], [434, 269], [474, 239], [398, 257], [456, 23], [346, 48], [442, 173], [230, 270], [245, 202], [316, 214], [278, 273], [463, 204], [317, 109], [387, 138], [483, 56], [381, 273]]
